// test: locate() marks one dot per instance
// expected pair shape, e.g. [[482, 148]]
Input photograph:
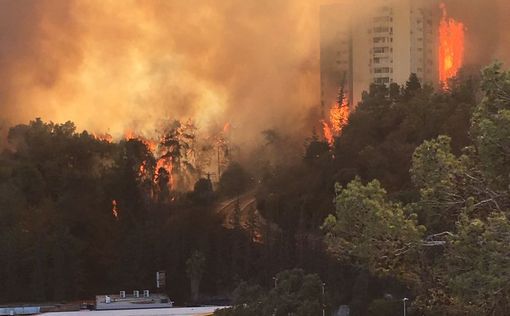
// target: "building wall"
[[391, 40], [335, 54], [402, 42], [361, 42]]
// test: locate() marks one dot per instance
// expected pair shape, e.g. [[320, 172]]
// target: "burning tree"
[[177, 148], [338, 117]]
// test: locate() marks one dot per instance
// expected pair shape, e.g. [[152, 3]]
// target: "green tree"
[[468, 195], [478, 265], [412, 86], [439, 176], [490, 126], [195, 267], [296, 293], [373, 233]]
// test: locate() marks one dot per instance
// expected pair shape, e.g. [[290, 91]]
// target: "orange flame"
[[226, 128], [142, 170], [328, 134], [150, 143], [338, 117], [103, 137], [129, 134], [451, 47], [166, 164], [115, 211]]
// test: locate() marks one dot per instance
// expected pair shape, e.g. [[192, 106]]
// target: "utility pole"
[[275, 283], [405, 299], [219, 167]]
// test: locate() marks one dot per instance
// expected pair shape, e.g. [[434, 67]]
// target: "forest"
[[411, 201]]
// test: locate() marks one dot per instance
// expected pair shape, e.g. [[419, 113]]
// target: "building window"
[[382, 70], [382, 80], [381, 19], [380, 50], [381, 29], [381, 60], [379, 39]]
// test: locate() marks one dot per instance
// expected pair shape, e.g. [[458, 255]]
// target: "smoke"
[[112, 66], [487, 24]]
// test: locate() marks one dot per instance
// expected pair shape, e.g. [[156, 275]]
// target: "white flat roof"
[[174, 311]]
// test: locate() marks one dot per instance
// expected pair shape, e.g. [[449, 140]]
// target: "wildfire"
[[328, 134], [226, 128], [150, 143], [103, 137], [338, 117], [142, 170], [115, 211], [129, 134], [166, 164], [451, 47]]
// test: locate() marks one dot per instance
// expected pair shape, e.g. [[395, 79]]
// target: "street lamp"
[[275, 281], [323, 301], [405, 299]]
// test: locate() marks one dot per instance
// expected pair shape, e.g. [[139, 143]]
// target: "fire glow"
[[115, 211], [338, 117], [451, 47]]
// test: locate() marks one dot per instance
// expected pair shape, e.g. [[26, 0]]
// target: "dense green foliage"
[[443, 160], [371, 232], [386, 127], [461, 263], [295, 293], [420, 184]]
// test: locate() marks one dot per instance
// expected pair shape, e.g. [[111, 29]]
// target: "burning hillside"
[[182, 154]]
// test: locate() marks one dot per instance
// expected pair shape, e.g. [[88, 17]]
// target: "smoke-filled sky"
[[117, 65]]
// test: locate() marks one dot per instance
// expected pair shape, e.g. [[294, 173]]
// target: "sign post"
[[161, 279]]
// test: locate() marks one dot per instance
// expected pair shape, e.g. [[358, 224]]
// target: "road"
[[250, 218]]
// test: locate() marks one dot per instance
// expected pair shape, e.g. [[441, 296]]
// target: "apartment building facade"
[[384, 44]]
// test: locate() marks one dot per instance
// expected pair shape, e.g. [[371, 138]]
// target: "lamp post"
[[323, 301], [404, 300], [275, 281]]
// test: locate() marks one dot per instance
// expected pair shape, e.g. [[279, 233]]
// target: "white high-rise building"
[[384, 44]]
